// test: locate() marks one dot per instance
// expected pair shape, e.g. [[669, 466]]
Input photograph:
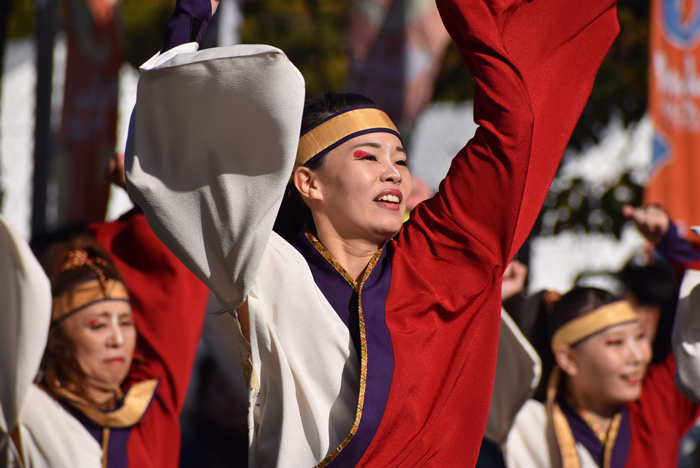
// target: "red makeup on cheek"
[[359, 154]]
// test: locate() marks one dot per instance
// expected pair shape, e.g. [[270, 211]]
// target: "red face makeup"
[[93, 322], [359, 154]]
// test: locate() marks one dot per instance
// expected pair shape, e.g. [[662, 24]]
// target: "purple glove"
[[188, 23], [676, 249]]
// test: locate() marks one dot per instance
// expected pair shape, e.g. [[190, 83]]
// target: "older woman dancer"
[[366, 342], [116, 362]]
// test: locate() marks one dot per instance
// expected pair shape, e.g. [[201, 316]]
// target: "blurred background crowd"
[[69, 75]]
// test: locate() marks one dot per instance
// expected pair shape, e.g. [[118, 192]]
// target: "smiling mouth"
[[389, 199], [632, 379]]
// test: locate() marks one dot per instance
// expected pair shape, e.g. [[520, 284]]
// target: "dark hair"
[[576, 303], [294, 213], [655, 285]]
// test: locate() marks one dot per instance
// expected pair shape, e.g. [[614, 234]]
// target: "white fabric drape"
[[212, 144], [686, 337], [50, 436], [518, 371]]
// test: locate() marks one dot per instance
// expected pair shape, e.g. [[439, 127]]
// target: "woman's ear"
[[566, 359], [307, 183]]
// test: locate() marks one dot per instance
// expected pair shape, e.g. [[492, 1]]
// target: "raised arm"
[[212, 143], [658, 228], [534, 63], [169, 303]]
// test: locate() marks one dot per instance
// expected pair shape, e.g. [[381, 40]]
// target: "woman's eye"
[[96, 326], [127, 322], [614, 343], [369, 157], [402, 162]]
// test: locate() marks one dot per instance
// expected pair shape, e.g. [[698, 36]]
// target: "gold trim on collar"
[[593, 322], [136, 402], [341, 126], [357, 286], [564, 442]]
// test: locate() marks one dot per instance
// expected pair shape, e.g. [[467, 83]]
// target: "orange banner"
[[674, 106], [396, 48]]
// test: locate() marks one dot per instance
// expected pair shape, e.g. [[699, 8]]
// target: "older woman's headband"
[[339, 128], [593, 322], [88, 292]]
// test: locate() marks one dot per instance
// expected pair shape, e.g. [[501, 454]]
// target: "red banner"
[[674, 106], [396, 48], [87, 135]]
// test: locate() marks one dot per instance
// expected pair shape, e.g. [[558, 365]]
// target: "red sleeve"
[[534, 63], [659, 419], [169, 303]]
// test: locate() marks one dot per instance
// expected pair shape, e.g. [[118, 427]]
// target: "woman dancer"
[[361, 346], [603, 408], [106, 397]]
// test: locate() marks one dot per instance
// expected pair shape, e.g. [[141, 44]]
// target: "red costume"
[[168, 303], [534, 63]]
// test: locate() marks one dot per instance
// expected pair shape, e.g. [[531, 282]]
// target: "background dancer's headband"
[[89, 292], [339, 128], [593, 322]]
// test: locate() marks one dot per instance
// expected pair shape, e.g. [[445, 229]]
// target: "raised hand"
[[513, 280], [651, 220], [115, 171]]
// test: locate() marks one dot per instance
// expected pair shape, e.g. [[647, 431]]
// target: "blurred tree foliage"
[[22, 18], [144, 23], [583, 207], [313, 34]]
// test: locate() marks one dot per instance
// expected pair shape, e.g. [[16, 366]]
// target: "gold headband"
[[86, 294], [339, 128], [593, 322]]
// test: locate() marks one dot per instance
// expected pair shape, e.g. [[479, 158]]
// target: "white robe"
[[212, 144], [686, 337], [49, 435]]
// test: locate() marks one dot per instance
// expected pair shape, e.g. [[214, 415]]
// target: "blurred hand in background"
[[513, 280], [115, 171], [651, 220]]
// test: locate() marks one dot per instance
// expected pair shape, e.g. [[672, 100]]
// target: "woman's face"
[[610, 365], [103, 339], [363, 187]]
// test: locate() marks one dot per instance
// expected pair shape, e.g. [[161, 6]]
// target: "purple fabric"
[[118, 439], [586, 437], [676, 249], [380, 357], [188, 23]]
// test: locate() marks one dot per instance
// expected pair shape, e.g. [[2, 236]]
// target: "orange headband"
[[339, 128], [593, 322], [89, 292]]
